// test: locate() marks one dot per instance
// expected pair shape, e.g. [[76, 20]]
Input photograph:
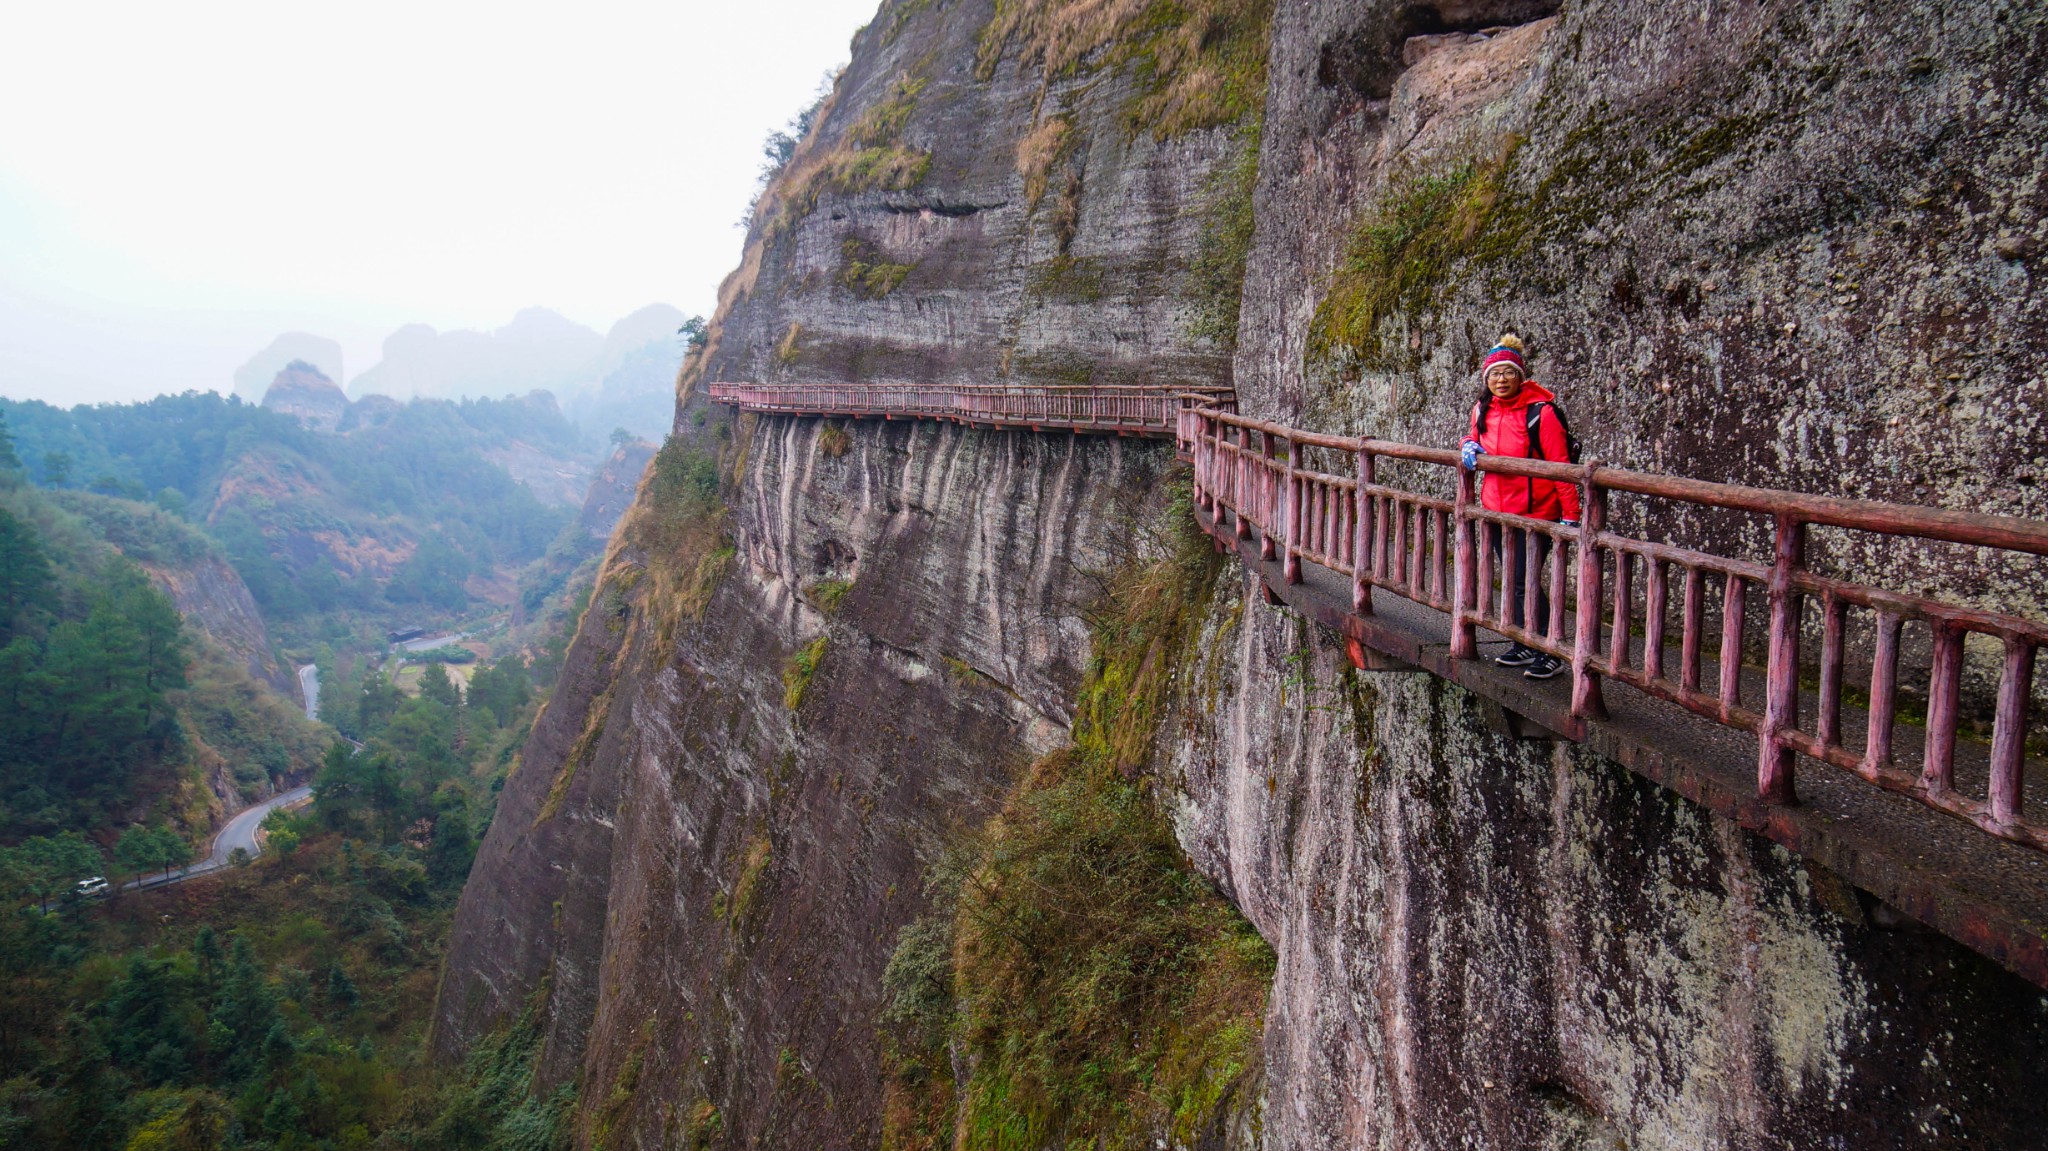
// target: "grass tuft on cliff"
[[1201, 63], [1404, 250], [680, 527], [1103, 992], [870, 157]]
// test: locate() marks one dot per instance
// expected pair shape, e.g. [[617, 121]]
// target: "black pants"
[[1515, 568]]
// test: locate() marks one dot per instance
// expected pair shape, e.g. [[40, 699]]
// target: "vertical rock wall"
[[1787, 244], [698, 870], [1486, 942]]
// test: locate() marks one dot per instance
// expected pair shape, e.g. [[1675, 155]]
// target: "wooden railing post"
[[2009, 731], [1774, 783], [1240, 487], [1265, 497], [1290, 564], [1361, 536], [1464, 571], [1587, 700], [1944, 689]]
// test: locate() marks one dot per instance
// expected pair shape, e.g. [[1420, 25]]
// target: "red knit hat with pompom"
[[1507, 351]]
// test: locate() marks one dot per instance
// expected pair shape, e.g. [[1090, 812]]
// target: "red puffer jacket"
[[1507, 434]]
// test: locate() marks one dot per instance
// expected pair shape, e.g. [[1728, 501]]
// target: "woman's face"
[[1503, 380]]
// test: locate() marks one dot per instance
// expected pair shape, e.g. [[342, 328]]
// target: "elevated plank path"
[[1670, 672]]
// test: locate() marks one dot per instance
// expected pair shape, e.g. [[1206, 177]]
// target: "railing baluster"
[[1439, 528], [1483, 601], [1654, 575], [1884, 686], [1465, 573], [1624, 581], [1733, 607], [1322, 518], [1361, 544], [1557, 589], [1692, 623], [1588, 701], [1382, 540], [1774, 774], [1945, 680], [1398, 561], [1416, 579], [1834, 618], [2009, 733], [1532, 579], [1290, 567], [1241, 488]]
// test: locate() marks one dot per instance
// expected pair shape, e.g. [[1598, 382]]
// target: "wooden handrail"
[[1432, 551]]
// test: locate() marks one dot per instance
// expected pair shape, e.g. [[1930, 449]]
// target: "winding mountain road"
[[239, 832]]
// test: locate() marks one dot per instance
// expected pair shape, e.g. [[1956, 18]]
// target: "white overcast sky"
[[179, 183]]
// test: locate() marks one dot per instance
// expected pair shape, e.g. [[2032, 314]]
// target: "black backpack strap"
[[1571, 444]]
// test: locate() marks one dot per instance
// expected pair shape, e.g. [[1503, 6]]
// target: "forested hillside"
[[280, 1003], [402, 514]]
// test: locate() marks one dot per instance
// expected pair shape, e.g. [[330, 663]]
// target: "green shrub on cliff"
[[1102, 991], [1404, 250]]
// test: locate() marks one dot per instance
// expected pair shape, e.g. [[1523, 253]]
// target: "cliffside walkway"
[[1127, 411], [1713, 675]]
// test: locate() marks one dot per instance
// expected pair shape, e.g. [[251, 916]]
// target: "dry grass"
[[833, 441], [869, 157], [1203, 61], [1038, 151], [786, 347], [798, 671]]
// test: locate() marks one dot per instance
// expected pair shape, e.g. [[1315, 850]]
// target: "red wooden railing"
[[1129, 410], [1425, 548]]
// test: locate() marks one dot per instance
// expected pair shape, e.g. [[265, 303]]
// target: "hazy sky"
[[181, 182]]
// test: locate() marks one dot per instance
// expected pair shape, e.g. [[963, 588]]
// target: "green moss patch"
[[1216, 276], [1402, 254], [866, 274], [1072, 279], [798, 671], [1201, 63], [870, 157]]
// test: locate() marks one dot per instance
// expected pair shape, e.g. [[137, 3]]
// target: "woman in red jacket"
[[1516, 416]]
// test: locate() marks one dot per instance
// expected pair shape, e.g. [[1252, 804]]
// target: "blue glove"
[[1472, 453], [1568, 523]]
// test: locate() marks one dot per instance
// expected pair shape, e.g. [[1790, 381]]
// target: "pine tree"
[[10, 463], [435, 685], [207, 957], [341, 990]]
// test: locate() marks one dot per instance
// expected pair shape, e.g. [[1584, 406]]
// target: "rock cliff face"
[[1777, 244], [1744, 240], [703, 862], [211, 596]]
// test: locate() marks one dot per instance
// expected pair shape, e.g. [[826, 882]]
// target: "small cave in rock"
[[1367, 60], [831, 556]]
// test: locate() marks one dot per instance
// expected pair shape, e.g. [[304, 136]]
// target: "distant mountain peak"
[[305, 393]]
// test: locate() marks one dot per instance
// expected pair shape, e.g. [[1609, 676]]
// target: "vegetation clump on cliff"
[[679, 525], [1100, 990], [870, 157], [1201, 63], [1402, 252]]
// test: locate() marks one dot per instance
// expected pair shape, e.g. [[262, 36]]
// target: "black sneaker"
[[1544, 667], [1518, 656]]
